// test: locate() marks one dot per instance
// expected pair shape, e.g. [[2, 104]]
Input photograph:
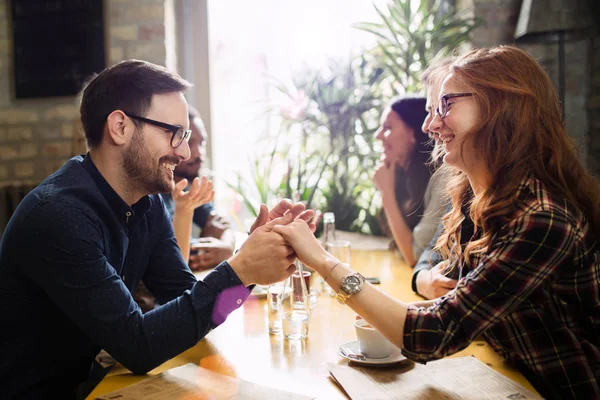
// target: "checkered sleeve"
[[519, 260]]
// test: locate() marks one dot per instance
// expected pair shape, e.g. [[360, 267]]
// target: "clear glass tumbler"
[[295, 306], [274, 307], [340, 249]]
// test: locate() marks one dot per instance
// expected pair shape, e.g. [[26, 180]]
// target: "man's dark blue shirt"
[[70, 258]]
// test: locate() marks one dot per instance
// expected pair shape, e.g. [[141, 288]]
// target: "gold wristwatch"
[[350, 285]]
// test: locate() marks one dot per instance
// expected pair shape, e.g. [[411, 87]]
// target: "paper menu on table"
[[453, 378], [191, 382]]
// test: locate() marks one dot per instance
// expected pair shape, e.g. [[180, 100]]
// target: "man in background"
[[212, 238]]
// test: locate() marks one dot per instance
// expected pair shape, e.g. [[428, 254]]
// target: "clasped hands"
[[276, 239]]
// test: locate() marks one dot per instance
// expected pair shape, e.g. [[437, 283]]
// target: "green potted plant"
[[329, 116], [410, 34]]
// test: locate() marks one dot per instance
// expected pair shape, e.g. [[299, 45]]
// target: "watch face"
[[352, 284]]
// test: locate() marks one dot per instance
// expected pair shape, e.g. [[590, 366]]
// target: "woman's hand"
[[199, 193], [385, 178], [298, 234], [432, 283]]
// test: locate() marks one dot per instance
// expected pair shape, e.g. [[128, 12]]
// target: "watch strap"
[[342, 297]]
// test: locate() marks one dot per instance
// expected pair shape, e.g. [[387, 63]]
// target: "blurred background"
[[290, 92]]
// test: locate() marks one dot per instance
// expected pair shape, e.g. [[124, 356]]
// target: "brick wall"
[[582, 81], [500, 18], [38, 135], [593, 105]]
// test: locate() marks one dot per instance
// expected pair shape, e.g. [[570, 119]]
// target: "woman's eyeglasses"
[[442, 108], [179, 135]]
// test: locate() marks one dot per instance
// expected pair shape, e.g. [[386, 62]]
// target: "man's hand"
[[215, 226], [199, 193], [433, 283], [264, 258], [284, 207], [208, 253]]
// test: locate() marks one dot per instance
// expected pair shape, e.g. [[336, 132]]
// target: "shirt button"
[[239, 301]]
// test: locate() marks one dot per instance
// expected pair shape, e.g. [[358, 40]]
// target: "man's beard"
[[140, 170]]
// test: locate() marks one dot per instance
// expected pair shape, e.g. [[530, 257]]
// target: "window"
[[249, 41]]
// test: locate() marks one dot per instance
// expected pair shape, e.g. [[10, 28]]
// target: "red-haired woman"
[[530, 274]]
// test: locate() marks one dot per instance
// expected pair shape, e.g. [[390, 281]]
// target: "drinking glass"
[[340, 249], [274, 307], [295, 306], [314, 285]]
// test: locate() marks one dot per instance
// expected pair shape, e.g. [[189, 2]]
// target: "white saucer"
[[393, 358], [259, 291]]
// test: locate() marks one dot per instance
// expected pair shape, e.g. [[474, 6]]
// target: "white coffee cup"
[[371, 342]]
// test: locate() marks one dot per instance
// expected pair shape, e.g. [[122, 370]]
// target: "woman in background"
[[411, 196]]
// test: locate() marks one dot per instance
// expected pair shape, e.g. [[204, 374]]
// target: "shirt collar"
[[528, 182], [128, 216]]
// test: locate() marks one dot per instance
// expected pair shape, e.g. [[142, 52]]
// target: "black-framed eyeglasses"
[[179, 135], [442, 108]]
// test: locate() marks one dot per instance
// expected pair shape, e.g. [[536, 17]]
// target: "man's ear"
[[119, 127]]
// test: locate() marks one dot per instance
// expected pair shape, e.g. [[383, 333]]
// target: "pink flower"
[[295, 108]]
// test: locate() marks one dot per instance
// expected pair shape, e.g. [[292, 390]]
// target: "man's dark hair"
[[127, 86]]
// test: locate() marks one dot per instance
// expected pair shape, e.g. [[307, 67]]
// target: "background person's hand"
[[432, 283], [199, 193], [215, 225], [265, 258], [385, 177], [208, 253], [299, 235]]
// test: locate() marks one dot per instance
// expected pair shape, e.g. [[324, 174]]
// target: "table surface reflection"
[[242, 346]]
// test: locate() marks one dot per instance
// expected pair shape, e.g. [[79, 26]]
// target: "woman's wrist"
[[388, 196], [327, 265], [330, 271]]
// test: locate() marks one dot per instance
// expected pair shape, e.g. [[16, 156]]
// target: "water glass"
[[314, 285], [298, 294], [274, 307], [340, 249], [295, 306], [295, 325]]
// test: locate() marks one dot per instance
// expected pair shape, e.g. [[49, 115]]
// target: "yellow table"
[[242, 346]]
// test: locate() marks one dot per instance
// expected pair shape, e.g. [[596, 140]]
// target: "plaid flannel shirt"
[[534, 296]]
